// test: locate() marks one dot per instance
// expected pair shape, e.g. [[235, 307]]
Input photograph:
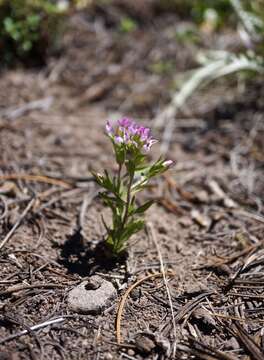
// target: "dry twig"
[[36, 178], [248, 342], [21, 218], [17, 288], [32, 328]]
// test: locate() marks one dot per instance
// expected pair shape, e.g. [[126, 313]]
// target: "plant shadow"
[[84, 258]]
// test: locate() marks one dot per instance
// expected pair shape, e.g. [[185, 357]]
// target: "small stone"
[[200, 218], [93, 283], [222, 269], [130, 352], [196, 289], [203, 316], [85, 342], [232, 344], [185, 221], [108, 356], [163, 343], [202, 196], [145, 343], [162, 229], [229, 203], [91, 296], [135, 294], [8, 188]]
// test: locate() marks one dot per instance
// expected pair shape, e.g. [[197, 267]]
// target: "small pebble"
[[144, 343], [232, 344], [135, 294], [130, 352], [108, 356]]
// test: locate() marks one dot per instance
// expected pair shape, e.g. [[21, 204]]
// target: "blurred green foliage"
[[250, 16], [162, 67], [221, 7], [127, 25], [213, 15], [187, 34], [28, 29], [247, 63], [196, 8]]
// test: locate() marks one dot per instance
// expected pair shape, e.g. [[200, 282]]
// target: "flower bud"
[[168, 163]]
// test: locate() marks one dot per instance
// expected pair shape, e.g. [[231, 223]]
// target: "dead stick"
[[236, 318], [17, 288], [32, 328]]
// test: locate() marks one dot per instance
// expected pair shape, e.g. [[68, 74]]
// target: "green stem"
[[119, 175], [128, 200]]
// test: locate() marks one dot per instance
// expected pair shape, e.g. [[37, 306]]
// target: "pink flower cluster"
[[129, 133]]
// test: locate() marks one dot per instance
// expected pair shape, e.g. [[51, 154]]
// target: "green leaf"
[[139, 161], [132, 228], [130, 165], [108, 183], [110, 241], [112, 201], [120, 153], [156, 169], [104, 223], [33, 21], [9, 25], [27, 45], [141, 209], [127, 25]]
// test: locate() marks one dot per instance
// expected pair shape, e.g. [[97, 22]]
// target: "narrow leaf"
[[141, 209]]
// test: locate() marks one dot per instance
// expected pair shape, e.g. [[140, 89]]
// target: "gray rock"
[[91, 296]]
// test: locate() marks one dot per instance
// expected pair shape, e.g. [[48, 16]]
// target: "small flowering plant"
[[131, 144]]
